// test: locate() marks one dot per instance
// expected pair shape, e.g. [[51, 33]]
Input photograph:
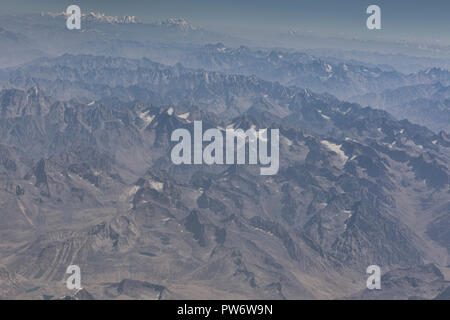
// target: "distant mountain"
[[176, 41], [427, 104], [50, 35], [374, 46], [15, 48], [343, 79], [178, 24]]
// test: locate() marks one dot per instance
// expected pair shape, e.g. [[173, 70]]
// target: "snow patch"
[[158, 186], [145, 117], [336, 149], [323, 116], [132, 191], [347, 212], [286, 141]]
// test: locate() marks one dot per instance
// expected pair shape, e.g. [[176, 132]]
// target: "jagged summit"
[[98, 17], [87, 175], [172, 23]]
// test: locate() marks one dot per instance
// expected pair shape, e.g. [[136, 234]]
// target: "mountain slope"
[[337, 204]]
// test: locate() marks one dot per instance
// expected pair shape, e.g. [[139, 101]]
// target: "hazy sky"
[[427, 19]]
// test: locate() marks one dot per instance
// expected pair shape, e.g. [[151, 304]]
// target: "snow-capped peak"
[[178, 23]]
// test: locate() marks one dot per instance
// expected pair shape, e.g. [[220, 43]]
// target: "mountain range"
[[86, 176], [355, 186]]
